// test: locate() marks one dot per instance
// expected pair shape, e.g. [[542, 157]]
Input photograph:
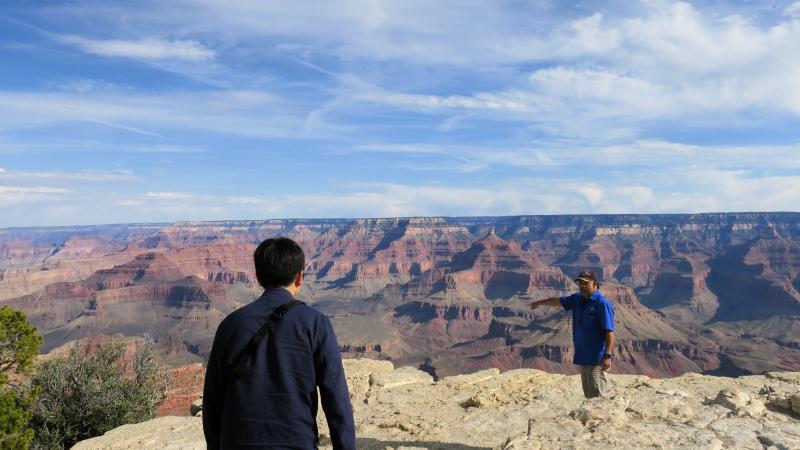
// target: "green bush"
[[82, 396], [19, 345]]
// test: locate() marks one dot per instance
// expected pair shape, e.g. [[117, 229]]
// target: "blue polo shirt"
[[591, 318]]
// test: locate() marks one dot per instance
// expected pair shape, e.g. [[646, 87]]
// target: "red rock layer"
[[185, 386]]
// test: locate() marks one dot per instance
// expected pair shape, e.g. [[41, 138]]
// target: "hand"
[[605, 366]]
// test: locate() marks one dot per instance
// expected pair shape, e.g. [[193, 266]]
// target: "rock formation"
[[711, 293], [531, 409]]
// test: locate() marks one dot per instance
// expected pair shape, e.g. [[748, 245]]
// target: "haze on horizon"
[[148, 111]]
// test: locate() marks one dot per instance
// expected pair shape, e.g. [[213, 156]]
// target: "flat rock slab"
[[472, 378], [399, 377], [168, 433]]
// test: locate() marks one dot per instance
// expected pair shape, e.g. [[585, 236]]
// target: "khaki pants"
[[593, 380]]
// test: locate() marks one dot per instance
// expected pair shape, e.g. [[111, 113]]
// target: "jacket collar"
[[276, 294]]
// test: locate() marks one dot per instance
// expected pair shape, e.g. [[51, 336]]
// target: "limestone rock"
[[472, 378], [169, 432], [732, 399], [788, 377], [738, 433], [794, 402], [481, 399], [753, 408], [358, 373], [530, 409], [359, 367], [602, 411], [399, 377]]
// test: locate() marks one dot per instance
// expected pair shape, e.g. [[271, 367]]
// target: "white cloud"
[[173, 195], [32, 190], [608, 78], [143, 49], [162, 149], [89, 175], [592, 192], [462, 162], [642, 154], [228, 113], [18, 195], [84, 85], [477, 32], [602, 74], [599, 191], [792, 10], [57, 143], [198, 199]]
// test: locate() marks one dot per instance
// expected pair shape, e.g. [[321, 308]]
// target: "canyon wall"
[[710, 293]]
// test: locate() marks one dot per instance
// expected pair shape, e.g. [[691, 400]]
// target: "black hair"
[[278, 261]]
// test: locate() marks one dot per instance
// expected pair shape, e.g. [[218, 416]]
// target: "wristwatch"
[[608, 356]]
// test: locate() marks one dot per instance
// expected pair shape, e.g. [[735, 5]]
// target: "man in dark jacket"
[[272, 402]]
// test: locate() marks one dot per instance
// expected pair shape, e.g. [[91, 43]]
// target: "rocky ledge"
[[531, 409]]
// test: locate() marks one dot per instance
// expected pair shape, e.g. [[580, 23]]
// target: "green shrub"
[[19, 345], [82, 396]]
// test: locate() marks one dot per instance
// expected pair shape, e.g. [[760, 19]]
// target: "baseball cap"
[[588, 276]]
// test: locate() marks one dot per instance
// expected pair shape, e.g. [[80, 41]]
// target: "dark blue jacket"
[[273, 403]]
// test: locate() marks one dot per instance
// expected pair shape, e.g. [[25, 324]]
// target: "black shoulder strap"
[[242, 358]]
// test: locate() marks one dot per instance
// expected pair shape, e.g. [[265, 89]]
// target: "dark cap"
[[588, 276]]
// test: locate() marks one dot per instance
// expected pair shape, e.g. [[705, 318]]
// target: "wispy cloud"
[[20, 145], [451, 107], [237, 112], [143, 49], [653, 154], [462, 162], [163, 149], [792, 10], [19, 195], [32, 190], [195, 197], [698, 190], [119, 175]]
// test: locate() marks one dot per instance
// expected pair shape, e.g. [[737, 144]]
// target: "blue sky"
[[153, 111]]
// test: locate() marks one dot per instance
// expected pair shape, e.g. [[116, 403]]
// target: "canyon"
[[717, 294]]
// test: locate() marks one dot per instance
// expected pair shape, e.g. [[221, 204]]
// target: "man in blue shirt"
[[592, 331], [265, 397]]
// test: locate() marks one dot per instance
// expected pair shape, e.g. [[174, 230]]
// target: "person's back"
[[272, 403]]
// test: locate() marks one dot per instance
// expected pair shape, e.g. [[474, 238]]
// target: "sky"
[[154, 111]]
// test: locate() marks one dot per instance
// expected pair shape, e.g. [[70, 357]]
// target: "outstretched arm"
[[552, 301]]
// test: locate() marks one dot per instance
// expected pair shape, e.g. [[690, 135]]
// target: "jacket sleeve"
[[214, 394], [333, 388]]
